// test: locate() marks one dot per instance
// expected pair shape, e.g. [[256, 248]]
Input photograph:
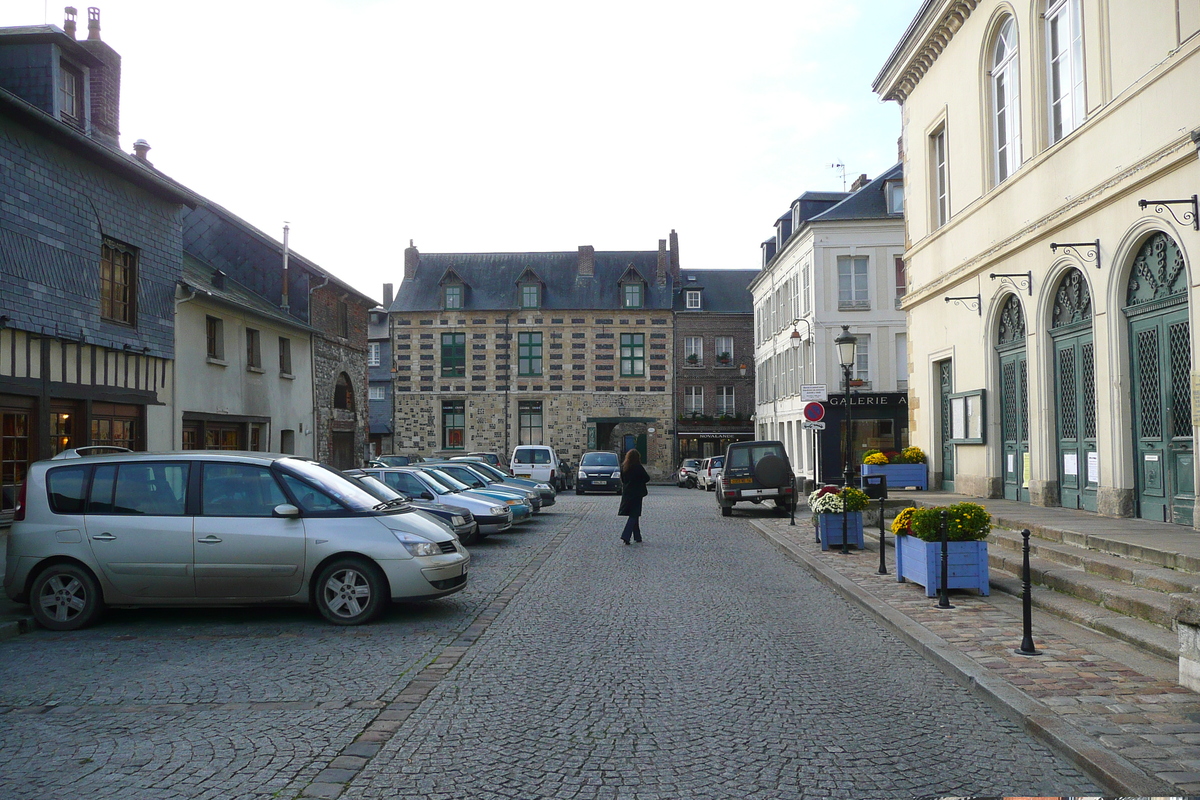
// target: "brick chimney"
[[105, 84], [859, 182], [587, 261], [412, 260], [674, 255], [69, 23], [664, 264], [387, 295]]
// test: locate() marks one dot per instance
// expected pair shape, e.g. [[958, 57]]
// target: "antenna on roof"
[[840, 167]]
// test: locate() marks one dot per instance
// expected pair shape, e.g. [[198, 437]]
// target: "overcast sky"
[[502, 126]]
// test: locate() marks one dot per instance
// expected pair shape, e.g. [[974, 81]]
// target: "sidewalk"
[[1115, 711], [14, 619]]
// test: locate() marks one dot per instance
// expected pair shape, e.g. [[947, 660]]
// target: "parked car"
[[211, 528], [537, 462], [756, 471], [599, 471], [522, 507], [490, 458], [460, 520], [392, 461], [708, 471], [686, 476], [473, 474], [491, 515], [548, 493]]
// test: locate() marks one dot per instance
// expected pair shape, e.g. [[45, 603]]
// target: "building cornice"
[[927, 36]]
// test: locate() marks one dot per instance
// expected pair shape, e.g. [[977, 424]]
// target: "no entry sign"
[[814, 412]]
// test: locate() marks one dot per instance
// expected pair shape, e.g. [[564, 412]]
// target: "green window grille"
[[529, 355], [633, 355], [454, 425], [454, 355]]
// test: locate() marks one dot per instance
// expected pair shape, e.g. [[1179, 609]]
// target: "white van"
[[538, 462]]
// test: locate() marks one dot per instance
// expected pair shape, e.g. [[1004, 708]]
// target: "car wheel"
[[65, 597], [350, 591]]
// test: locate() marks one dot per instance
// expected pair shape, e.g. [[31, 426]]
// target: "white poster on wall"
[[1012, 462], [1071, 464], [1093, 466]]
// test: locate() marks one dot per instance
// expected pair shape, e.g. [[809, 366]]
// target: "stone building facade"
[[573, 350]]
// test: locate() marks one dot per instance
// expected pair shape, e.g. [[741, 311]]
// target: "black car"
[[753, 472], [599, 471]]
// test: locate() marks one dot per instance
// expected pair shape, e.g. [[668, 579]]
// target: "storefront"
[[705, 443], [879, 421]]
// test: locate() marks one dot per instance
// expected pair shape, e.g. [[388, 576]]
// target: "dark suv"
[[599, 472], [756, 471]]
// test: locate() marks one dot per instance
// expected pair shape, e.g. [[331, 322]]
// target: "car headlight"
[[416, 546], [457, 520], [582, 475], [513, 502], [615, 475], [543, 487], [496, 511]]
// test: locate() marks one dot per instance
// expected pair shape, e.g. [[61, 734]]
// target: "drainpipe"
[[284, 293], [507, 386]]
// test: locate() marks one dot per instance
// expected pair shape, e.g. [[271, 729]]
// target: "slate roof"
[[869, 202], [724, 291], [198, 276], [491, 280]]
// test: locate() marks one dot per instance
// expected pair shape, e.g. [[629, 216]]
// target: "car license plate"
[[741, 480], [600, 483]]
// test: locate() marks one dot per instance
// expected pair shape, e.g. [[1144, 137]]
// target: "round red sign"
[[814, 412]]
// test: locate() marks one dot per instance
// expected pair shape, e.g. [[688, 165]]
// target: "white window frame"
[[854, 282], [901, 276], [718, 349], [940, 177], [372, 354], [1064, 68], [862, 358], [805, 291], [726, 401], [376, 393], [693, 399], [1006, 102], [693, 298], [693, 346]]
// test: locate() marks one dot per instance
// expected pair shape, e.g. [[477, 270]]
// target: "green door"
[[945, 389], [1014, 401], [1075, 390], [1161, 356]]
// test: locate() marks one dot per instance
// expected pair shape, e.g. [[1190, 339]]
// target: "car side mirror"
[[426, 496], [286, 510]]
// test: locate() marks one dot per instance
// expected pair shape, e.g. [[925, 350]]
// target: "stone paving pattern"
[[698, 664]]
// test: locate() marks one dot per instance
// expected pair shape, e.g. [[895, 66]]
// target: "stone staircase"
[[1130, 596]]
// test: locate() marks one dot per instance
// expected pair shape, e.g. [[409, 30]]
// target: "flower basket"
[[829, 526], [900, 476], [919, 549]]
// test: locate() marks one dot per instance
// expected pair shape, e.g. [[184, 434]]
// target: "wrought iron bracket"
[[1077, 249], [966, 302], [1192, 217], [1018, 280]]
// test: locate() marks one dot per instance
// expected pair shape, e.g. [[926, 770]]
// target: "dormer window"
[[531, 295], [895, 196], [452, 297], [693, 299], [632, 295], [70, 94]]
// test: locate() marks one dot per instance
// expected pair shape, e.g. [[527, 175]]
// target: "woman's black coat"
[[634, 489]]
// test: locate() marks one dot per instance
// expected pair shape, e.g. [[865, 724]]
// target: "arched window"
[[1064, 67], [343, 393], [1006, 102]]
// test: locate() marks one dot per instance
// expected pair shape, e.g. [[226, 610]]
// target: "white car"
[[201, 528], [710, 470], [538, 462]]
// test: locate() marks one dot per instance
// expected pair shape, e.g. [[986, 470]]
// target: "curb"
[[1115, 773]]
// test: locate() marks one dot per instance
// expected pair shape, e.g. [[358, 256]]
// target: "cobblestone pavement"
[[698, 664], [1136, 724]]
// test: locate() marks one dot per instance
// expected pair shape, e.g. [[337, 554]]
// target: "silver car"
[[211, 528], [492, 515]]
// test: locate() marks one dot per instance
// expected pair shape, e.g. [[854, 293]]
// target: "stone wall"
[[333, 355]]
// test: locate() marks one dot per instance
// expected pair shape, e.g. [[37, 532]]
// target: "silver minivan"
[[217, 528]]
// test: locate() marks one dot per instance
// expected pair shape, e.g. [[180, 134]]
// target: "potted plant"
[[829, 505], [692, 358], [919, 548], [904, 469], [724, 359]]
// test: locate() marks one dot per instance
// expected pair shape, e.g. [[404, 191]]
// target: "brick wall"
[[333, 355], [709, 374]]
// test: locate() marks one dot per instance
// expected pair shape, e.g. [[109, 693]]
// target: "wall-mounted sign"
[[812, 425], [814, 393], [872, 399], [967, 410], [814, 412], [649, 430]]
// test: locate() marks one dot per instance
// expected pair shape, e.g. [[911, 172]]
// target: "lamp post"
[[847, 345]]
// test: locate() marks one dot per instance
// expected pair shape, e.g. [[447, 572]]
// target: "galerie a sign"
[[876, 399]]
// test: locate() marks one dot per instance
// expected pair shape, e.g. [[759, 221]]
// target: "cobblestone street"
[[701, 663]]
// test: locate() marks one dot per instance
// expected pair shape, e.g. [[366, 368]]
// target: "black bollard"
[[1027, 646], [795, 499], [944, 589], [882, 541]]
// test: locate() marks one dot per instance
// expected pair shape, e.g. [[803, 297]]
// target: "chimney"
[[104, 85], [69, 23], [387, 296], [587, 261], [412, 260], [140, 148], [663, 264], [859, 182], [218, 279], [674, 254]]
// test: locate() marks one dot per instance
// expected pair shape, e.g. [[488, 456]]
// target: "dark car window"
[[67, 486], [532, 456], [310, 499], [239, 490], [745, 457], [150, 489], [404, 483], [396, 461], [465, 475], [599, 460], [488, 469]]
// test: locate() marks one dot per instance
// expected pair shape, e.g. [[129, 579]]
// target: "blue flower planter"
[[830, 529], [921, 562], [900, 476]]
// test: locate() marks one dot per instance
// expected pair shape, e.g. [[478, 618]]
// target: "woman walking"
[[633, 483]]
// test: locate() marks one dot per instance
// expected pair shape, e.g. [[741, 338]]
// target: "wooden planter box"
[[829, 526], [921, 562], [900, 476]]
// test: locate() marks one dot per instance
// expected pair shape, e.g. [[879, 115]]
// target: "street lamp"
[[846, 344], [742, 369]]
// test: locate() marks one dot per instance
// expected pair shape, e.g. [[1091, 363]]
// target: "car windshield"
[[692, 462], [599, 460], [532, 456], [744, 457], [466, 475], [379, 488], [428, 482], [331, 482], [395, 461], [453, 484], [489, 470]]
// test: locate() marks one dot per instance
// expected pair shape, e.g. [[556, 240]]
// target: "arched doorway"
[[343, 424], [1075, 389], [1014, 399], [1156, 305]]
